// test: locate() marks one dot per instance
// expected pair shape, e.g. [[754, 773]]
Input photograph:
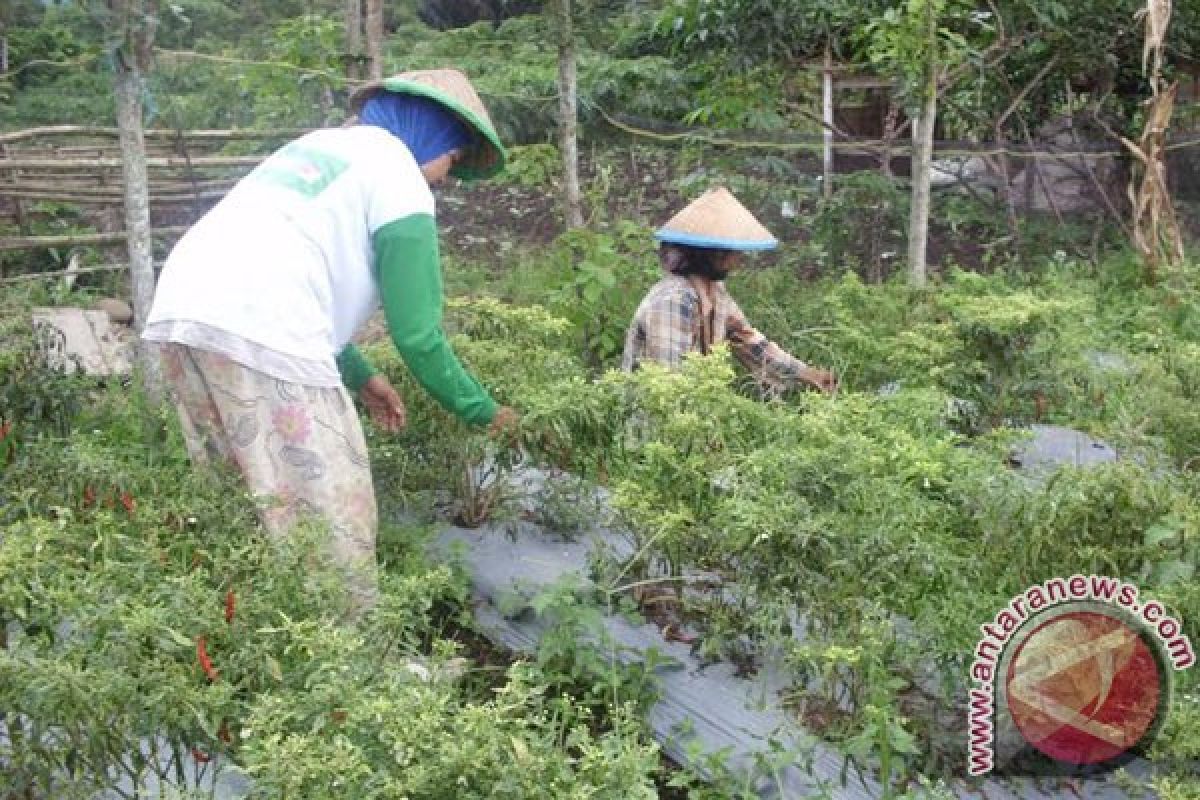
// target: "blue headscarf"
[[426, 126]]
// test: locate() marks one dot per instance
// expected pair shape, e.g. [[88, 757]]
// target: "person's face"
[[726, 263], [435, 171]]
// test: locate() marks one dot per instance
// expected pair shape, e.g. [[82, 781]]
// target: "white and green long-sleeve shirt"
[[283, 272]]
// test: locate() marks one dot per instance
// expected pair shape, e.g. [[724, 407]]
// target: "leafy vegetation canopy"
[[885, 517]]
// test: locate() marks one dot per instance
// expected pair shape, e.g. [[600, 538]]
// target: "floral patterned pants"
[[300, 448]]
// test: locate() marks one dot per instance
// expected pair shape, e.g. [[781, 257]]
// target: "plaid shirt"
[[670, 323]]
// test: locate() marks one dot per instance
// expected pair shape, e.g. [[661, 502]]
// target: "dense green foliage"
[[891, 522], [885, 518], [1001, 46], [142, 603]]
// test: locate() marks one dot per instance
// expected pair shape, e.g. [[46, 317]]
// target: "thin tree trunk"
[[827, 119], [3, 54], [891, 130], [1001, 142], [137, 212], [922, 164], [374, 36], [568, 103], [354, 39], [918, 230]]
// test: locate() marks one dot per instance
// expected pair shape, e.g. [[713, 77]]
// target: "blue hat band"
[[715, 242]]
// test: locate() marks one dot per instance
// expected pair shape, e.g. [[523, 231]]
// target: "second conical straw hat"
[[716, 219], [452, 89]]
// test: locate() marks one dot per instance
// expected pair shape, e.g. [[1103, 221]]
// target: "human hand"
[[383, 403], [823, 379], [504, 423]]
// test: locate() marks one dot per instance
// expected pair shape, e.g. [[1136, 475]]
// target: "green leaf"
[[1162, 533], [205, 724], [178, 638], [1172, 571]]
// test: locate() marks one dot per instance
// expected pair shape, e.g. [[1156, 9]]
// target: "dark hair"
[[682, 259]]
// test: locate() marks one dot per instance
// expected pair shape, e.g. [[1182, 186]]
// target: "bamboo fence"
[[81, 166], [191, 170]]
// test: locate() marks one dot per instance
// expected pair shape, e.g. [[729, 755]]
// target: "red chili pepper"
[[128, 501], [230, 605], [205, 662], [89, 496], [200, 756]]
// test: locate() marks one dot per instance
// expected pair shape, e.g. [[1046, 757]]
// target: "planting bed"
[[705, 713]]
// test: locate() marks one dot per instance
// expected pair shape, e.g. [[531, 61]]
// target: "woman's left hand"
[[824, 380], [383, 404]]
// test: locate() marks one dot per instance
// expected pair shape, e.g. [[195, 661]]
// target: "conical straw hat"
[[716, 219], [451, 88]]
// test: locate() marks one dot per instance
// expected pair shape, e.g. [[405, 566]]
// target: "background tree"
[[568, 113], [133, 23], [373, 34], [916, 43], [364, 39]]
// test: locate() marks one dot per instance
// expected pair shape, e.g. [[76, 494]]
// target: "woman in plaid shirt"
[[690, 309]]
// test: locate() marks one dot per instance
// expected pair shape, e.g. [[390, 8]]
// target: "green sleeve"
[[410, 287], [354, 367]]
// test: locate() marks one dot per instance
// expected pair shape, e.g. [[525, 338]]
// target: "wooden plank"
[[110, 199], [202, 134], [156, 187], [158, 162], [76, 240], [863, 82], [63, 273]]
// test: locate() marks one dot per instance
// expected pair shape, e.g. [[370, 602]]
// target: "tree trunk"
[[568, 103], [891, 130], [374, 35], [128, 92], [827, 119], [354, 39], [922, 163]]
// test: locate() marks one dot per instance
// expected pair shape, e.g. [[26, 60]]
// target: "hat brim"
[[712, 242], [486, 158]]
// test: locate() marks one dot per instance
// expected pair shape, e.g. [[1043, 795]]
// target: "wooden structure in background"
[[81, 166], [1183, 164], [856, 106]]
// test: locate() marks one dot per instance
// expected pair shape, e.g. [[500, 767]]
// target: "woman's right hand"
[[383, 403], [504, 423]]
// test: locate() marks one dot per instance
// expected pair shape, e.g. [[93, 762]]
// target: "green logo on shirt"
[[300, 169]]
